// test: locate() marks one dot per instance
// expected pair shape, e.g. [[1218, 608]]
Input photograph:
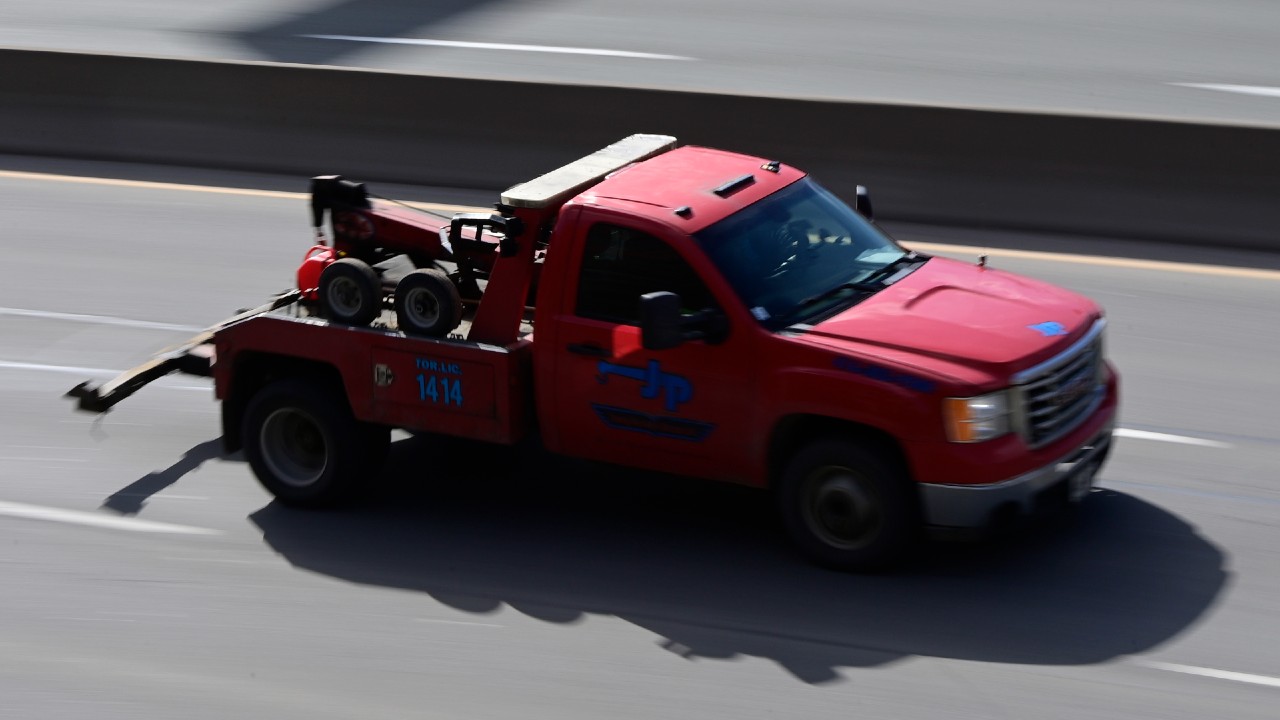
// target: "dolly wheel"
[[848, 507], [350, 292], [428, 303]]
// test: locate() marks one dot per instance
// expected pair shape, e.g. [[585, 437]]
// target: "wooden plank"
[[563, 183]]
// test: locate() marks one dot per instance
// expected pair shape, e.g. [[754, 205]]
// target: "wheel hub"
[[423, 306], [842, 508], [344, 296], [294, 447]]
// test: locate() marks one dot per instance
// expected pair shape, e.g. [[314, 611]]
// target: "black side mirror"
[[660, 326], [862, 203]]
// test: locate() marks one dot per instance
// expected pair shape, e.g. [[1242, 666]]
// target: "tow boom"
[[191, 357]]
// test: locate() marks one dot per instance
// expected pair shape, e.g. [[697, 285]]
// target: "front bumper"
[[977, 506]]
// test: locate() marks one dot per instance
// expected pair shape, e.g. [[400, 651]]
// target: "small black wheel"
[[847, 507], [428, 303], [305, 447], [350, 292]]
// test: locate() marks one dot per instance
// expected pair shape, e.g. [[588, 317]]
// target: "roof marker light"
[[735, 185]]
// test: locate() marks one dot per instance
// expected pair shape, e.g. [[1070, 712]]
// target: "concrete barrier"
[[1120, 177]]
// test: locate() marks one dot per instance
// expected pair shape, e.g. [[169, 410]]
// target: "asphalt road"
[[1183, 59], [147, 576]]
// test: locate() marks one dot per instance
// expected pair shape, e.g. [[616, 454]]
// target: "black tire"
[[305, 447], [350, 292], [428, 303], [847, 507]]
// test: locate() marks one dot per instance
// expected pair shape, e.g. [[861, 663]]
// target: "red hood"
[[958, 312]]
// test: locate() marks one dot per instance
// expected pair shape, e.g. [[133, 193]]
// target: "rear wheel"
[[306, 448], [847, 507], [428, 303], [350, 292]]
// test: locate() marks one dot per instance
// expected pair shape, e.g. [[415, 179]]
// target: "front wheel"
[[847, 507], [305, 447]]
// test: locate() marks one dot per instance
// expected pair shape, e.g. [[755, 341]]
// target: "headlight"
[[975, 419]]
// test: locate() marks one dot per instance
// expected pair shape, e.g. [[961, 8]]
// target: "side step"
[[192, 357]]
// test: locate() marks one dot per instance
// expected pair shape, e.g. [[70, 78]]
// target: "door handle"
[[589, 350]]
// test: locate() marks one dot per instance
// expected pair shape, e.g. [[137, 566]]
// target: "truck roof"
[[691, 187]]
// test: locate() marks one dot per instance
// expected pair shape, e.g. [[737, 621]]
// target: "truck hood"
[[981, 318]]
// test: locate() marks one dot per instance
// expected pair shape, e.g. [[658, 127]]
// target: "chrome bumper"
[[975, 506]]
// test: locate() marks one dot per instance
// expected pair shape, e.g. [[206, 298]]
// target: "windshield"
[[800, 253]]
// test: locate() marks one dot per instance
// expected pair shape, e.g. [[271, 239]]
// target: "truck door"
[[687, 410]]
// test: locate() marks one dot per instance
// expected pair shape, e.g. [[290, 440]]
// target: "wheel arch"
[[792, 432], [253, 371]]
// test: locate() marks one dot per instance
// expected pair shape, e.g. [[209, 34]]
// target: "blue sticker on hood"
[[1049, 329]]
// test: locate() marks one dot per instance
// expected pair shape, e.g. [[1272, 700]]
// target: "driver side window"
[[620, 264]]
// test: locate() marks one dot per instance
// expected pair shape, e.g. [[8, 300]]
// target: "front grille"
[[1057, 395]]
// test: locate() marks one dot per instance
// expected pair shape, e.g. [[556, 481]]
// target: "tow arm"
[[191, 357]]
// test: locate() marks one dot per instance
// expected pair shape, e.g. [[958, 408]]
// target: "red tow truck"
[[686, 310]]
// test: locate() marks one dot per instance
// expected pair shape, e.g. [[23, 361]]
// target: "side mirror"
[[663, 326], [862, 203], [660, 326]]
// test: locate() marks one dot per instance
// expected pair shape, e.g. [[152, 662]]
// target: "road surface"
[[147, 576]]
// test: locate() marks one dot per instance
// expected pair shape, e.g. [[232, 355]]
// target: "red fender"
[[314, 262]]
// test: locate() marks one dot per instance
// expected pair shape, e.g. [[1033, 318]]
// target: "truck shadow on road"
[[704, 567], [130, 499]]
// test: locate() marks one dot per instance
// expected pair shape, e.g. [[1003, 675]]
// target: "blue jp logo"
[[674, 389], [1049, 329]]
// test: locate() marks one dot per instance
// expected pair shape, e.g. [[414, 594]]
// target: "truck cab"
[[717, 314]]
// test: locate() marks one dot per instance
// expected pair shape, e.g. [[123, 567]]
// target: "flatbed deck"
[[196, 355]]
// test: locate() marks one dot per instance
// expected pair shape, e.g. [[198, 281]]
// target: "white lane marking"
[[69, 369], [44, 447], [43, 459], [1165, 437], [1212, 673], [97, 319], [501, 46], [73, 370], [456, 622], [1262, 90], [76, 517]]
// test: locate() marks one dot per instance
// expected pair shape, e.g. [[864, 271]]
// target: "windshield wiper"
[[835, 292], [878, 277], [869, 285]]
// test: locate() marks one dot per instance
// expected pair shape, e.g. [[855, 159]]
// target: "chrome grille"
[[1057, 395]]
